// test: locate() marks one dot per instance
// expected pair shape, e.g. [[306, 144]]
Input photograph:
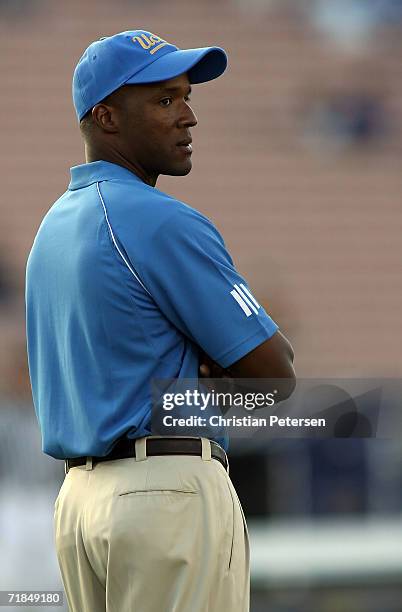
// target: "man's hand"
[[209, 368], [269, 364]]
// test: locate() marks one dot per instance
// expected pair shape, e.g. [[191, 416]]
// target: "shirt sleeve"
[[191, 276]]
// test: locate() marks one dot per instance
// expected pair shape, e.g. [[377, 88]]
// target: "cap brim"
[[201, 65]]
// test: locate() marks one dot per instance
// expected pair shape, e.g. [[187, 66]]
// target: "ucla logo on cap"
[[148, 42]]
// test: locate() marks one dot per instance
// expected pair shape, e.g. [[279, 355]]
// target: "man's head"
[[147, 125], [131, 94]]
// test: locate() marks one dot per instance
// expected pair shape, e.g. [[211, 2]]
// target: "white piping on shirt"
[[116, 245]]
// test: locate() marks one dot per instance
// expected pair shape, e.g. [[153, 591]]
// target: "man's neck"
[[93, 154]]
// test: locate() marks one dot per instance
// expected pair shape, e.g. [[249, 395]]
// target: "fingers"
[[205, 371]]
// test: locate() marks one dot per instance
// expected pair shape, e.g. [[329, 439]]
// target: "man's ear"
[[106, 118]]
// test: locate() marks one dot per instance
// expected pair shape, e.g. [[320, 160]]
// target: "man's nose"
[[188, 117]]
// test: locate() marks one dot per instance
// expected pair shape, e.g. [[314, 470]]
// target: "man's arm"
[[273, 359]]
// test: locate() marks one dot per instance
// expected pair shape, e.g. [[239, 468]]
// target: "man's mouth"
[[185, 145]]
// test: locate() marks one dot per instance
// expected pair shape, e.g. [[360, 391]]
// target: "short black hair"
[[87, 124]]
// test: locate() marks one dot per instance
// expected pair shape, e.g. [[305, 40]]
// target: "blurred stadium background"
[[297, 159]]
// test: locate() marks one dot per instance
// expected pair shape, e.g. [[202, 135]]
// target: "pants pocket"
[[150, 492]]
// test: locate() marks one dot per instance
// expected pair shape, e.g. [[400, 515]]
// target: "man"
[[125, 285]]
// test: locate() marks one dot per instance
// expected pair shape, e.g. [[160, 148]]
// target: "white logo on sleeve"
[[245, 299]]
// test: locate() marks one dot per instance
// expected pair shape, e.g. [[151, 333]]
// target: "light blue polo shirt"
[[123, 284]]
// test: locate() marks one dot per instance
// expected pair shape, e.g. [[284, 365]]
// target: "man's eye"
[[166, 102]]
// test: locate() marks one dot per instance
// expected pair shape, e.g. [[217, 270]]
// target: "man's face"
[[154, 126]]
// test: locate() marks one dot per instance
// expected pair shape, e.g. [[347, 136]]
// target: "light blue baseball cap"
[[136, 57]]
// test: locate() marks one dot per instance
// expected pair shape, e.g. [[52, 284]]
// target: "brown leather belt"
[[125, 448]]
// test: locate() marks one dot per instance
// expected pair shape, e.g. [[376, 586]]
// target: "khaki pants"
[[152, 534]]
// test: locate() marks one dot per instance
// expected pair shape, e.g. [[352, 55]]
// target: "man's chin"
[[179, 170]]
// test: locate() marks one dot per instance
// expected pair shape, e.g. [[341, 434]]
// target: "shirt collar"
[[87, 174]]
